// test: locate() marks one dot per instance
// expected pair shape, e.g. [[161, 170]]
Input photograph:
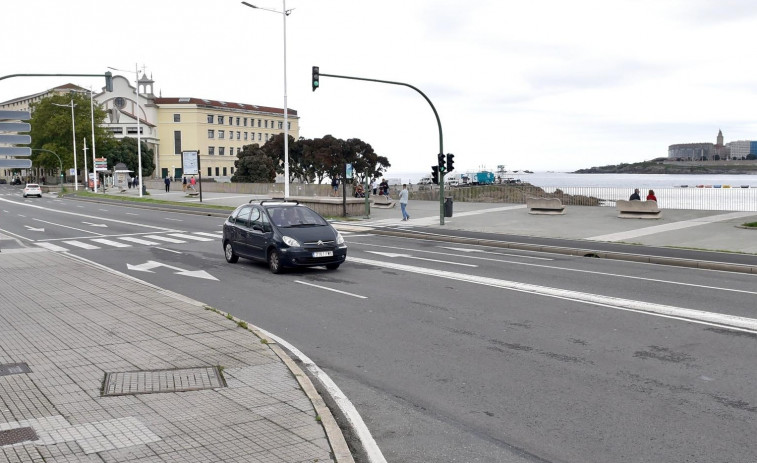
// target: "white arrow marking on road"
[[34, 229], [96, 224], [408, 256], [151, 264]]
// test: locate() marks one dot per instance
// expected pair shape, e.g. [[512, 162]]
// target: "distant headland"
[[666, 166]]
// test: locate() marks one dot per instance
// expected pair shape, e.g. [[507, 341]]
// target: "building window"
[[177, 117], [289, 125], [238, 136], [266, 137], [221, 134], [210, 172], [116, 130], [221, 150], [211, 150], [245, 136], [217, 172], [211, 133], [220, 119], [224, 172], [232, 171], [259, 121], [281, 125], [260, 136], [134, 130], [210, 118], [237, 121], [177, 141], [245, 122], [231, 151], [266, 123], [231, 120]]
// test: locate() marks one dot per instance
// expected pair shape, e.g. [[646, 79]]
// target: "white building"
[[739, 149]]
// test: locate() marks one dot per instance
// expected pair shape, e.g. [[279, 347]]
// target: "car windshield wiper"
[[304, 225]]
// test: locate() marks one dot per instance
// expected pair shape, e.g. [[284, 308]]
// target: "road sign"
[[101, 164], [15, 139], [14, 115], [190, 163], [15, 127], [16, 163], [15, 150]]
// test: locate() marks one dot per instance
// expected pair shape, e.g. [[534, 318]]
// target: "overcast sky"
[[545, 85]]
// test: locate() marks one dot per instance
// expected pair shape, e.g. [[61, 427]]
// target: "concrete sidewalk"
[[98, 366]]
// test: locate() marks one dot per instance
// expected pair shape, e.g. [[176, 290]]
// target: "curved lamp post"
[[59, 162], [73, 130], [284, 13]]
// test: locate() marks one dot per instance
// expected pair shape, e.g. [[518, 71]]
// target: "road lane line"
[[136, 240], [80, 244], [115, 244], [731, 322], [330, 289], [164, 238], [591, 272], [189, 237], [52, 247]]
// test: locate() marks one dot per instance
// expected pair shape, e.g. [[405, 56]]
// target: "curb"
[[579, 252]]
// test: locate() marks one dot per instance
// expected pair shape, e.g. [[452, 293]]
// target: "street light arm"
[[286, 12]]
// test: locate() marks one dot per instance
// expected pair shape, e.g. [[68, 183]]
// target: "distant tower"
[[720, 138]]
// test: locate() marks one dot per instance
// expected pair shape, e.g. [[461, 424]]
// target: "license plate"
[[323, 254]]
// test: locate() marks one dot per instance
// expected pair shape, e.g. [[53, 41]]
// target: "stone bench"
[[383, 202], [545, 206], [638, 209]]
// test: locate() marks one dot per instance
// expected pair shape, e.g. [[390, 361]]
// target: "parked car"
[[32, 189], [282, 234], [3, 181]]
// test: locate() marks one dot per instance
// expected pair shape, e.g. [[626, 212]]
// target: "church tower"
[[720, 138]]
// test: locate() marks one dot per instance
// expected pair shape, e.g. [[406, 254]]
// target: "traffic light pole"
[[438, 123]]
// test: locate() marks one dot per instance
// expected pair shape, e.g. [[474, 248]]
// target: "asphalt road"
[[458, 353]]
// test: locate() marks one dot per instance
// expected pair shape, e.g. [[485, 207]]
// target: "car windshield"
[[295, 216]]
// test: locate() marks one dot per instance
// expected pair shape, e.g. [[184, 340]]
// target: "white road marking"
[[130, 213], [175, 220], [217, 234], [136, 240], [115, 244], [330, 289], [626, 235], [102, 225], [34, 229], [51, 247], [494, 253], [164, 238], [169, 250], [66, 226], [80, 244], [151, 264], [408, 256], [731, 322], [189, 237]]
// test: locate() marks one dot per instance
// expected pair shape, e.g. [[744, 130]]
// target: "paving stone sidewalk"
[[100, 367]]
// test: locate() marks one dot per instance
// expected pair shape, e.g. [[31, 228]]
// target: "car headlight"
[[289, 241], [339, 239]]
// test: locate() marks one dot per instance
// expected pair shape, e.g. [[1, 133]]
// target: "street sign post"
[[10, 124]]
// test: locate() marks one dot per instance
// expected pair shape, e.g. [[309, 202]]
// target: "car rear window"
[[32, 185]]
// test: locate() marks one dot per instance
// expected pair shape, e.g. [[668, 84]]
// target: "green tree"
[[51, 130], [125, 150], [253, 165]]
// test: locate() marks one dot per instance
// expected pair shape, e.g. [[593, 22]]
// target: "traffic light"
[[440, 162], [316, 77], [435, 174], [108, 81], [450, 162]]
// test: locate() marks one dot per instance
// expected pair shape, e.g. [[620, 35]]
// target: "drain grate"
[[16, 436], [156, 381], [14, 369]]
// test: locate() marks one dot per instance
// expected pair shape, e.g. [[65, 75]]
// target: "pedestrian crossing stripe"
[[51, 247], [164, 238], [189, 237], [136, 240], [82, 245], [116, 241], [115, 244]]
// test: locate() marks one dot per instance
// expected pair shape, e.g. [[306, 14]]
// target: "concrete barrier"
[[383, 202], [638, 209], [545, 206]]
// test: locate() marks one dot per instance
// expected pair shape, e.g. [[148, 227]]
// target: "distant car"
[[282, 234], [16, 181], [32, 189], [3, 181]]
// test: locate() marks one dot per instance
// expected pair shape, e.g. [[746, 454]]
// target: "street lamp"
[[139, 135], [73, 130], [284, 13], [59, 161]]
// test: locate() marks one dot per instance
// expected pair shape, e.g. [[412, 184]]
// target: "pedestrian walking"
[[167, 181], [192, 183], [335, 185], [374, 186], [184, 184], [403, 202]]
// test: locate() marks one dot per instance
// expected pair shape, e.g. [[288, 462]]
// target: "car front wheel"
[[228, 251], [274, 261]]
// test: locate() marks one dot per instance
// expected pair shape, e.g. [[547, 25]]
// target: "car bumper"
[[297, 257]]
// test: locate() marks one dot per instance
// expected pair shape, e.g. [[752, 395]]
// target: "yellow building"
[[217, 129]]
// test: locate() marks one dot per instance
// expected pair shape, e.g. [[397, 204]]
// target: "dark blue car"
[[283, 234]]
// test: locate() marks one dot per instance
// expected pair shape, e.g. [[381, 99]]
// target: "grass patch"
[[136, 199], [242, 324], [750, 224]]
